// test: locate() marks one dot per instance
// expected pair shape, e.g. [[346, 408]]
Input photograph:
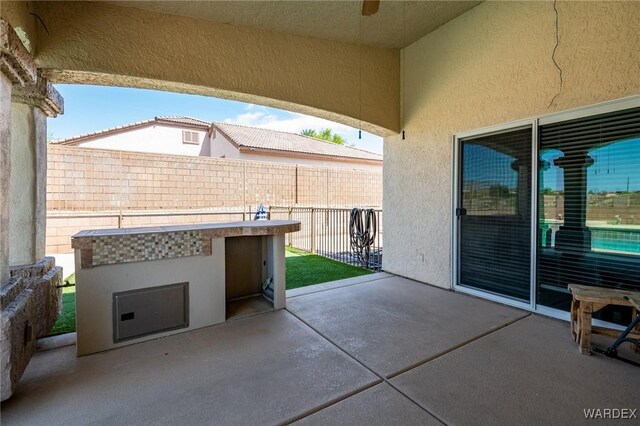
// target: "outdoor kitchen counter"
[[227, 229], [94, 244], [136, 284]]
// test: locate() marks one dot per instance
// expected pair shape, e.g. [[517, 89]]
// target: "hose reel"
[[363, 228]]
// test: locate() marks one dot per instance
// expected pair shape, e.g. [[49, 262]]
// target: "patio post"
[[313, 230], [30, 293]]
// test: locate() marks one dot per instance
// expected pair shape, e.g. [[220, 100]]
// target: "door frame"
[[632, 101], [456, 199]]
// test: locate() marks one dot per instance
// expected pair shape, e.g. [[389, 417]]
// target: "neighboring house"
[[190, 136], [250, 143], [162, 135]]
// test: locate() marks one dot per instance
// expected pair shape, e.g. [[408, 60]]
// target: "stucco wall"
[[18, 14], [160, 51], [222, 148], [489, 66], [22, 186], [158, 139], [5, 173], [95, 288], [40, 214]]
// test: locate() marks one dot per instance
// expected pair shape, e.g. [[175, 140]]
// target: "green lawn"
[[303, 269], [67, 321]]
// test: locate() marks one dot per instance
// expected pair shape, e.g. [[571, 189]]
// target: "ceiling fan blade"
[[369, 7]]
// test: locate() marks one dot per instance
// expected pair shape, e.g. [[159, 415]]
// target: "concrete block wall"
[[270, 183], [61, 226], [91, 188], [85, 179]]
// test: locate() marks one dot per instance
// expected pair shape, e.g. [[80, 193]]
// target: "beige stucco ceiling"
[[395, 25]]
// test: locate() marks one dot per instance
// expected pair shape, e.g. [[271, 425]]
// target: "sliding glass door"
[[494, 213], [589, 207], [548, 204]]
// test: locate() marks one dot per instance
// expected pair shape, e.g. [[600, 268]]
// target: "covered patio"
[[379, 349], [429, 77]]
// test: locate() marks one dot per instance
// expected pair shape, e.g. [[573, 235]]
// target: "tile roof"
[[181, 119], [245, 137], [160, 119], [252, 137]]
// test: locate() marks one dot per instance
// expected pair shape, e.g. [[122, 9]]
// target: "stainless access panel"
[[145, 311]]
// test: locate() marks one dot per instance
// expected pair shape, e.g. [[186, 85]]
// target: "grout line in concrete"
[[320, 290], [453, 348], [329, 403], [382, 379], [386, 379]]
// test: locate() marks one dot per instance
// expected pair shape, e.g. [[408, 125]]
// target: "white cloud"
[[253, 119]]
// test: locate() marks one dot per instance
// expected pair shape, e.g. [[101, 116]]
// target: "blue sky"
[[615, 165], [90, 108]]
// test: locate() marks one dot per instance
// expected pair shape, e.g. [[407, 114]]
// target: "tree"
[[500, 191], [325, 135]]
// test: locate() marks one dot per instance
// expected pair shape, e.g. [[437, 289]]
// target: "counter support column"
[[276, 269]]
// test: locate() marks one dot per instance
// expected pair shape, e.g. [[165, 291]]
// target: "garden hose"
[[362, 230]]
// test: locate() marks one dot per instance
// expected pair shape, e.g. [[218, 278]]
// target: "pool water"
[[615, 245], [619, 239]]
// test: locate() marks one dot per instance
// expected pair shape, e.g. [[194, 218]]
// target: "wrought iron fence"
[[325, 231]]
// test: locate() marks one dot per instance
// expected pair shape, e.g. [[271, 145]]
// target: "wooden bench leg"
[[575, 329], [585, 328]]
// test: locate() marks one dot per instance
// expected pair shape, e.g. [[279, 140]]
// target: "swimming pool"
[[603, 238]]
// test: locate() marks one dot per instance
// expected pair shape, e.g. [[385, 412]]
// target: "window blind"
[[589, 206]]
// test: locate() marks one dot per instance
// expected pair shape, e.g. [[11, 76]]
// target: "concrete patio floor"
[[374, 350]]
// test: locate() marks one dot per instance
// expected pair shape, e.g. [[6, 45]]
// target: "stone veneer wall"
[[31, 302]]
